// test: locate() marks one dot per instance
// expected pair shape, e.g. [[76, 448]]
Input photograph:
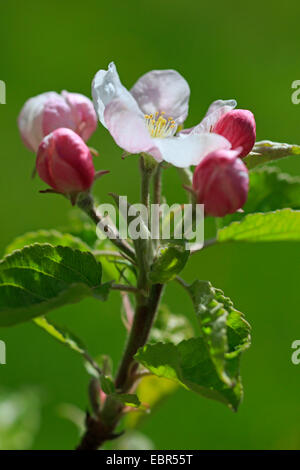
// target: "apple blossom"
[[221, 182], [65, 163], [146, 118], [44, 113]]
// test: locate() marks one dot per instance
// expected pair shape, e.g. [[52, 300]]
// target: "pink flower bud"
[[238, 126], [45, 113], [221, 183], [65, 163]]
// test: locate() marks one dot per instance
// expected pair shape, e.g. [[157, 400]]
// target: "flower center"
[[159, 126]]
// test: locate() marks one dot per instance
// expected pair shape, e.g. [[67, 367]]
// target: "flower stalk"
[[101, 427]]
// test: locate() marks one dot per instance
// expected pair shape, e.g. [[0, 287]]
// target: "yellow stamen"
[[159, 126]]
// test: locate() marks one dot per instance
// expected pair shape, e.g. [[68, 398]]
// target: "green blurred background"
[[243, 50]]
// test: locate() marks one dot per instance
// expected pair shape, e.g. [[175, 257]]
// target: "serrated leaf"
[[270, 189], [39, 278], [224, 329], [56, 238], [281, 225], [190, 365], [168, 264], [53, 237], [170, 328]]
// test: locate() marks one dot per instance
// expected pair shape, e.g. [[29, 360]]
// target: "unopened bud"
[[65, 163], [238, 126], [44, 113], [221, 183]]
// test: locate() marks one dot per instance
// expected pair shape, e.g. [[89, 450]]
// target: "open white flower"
[[146, 118]]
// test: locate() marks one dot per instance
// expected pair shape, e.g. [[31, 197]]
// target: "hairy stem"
[[86, 203]]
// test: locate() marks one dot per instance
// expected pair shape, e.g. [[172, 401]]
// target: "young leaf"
[[267, 151], [224, 330], [107, 385], [281, 225], [190, 365], [67, 338], [169, 263], [39, 278], [61, 334], [128, 399], [53, 237]]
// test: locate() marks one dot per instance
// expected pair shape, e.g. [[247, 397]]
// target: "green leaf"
[[128, 399], [39, 278], [270, 189], [281, 225], [224, 330], [267, 151], [208, 365], [107, 385], [170, 328], [190, 365], [169, 263], [61, 334], [53, 237]]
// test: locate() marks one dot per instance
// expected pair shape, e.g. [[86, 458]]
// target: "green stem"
[[157, 184], [146, 174]]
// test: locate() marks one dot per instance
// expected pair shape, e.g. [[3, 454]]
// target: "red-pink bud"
[[221, 183], [44, 113], [238, 126], [65, 163]]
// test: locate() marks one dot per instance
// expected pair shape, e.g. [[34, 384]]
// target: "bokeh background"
[[243, 50]]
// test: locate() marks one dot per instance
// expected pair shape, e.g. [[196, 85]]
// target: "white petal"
[[107, 87], [189, 149], [216, 110], [218, 104], [163, 90]]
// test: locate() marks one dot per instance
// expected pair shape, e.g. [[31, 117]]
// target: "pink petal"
[[30, 120], [127, 127], [238, 126], [221, 183], [57, 114], [65, 162], [83, 113], [163, 90]]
